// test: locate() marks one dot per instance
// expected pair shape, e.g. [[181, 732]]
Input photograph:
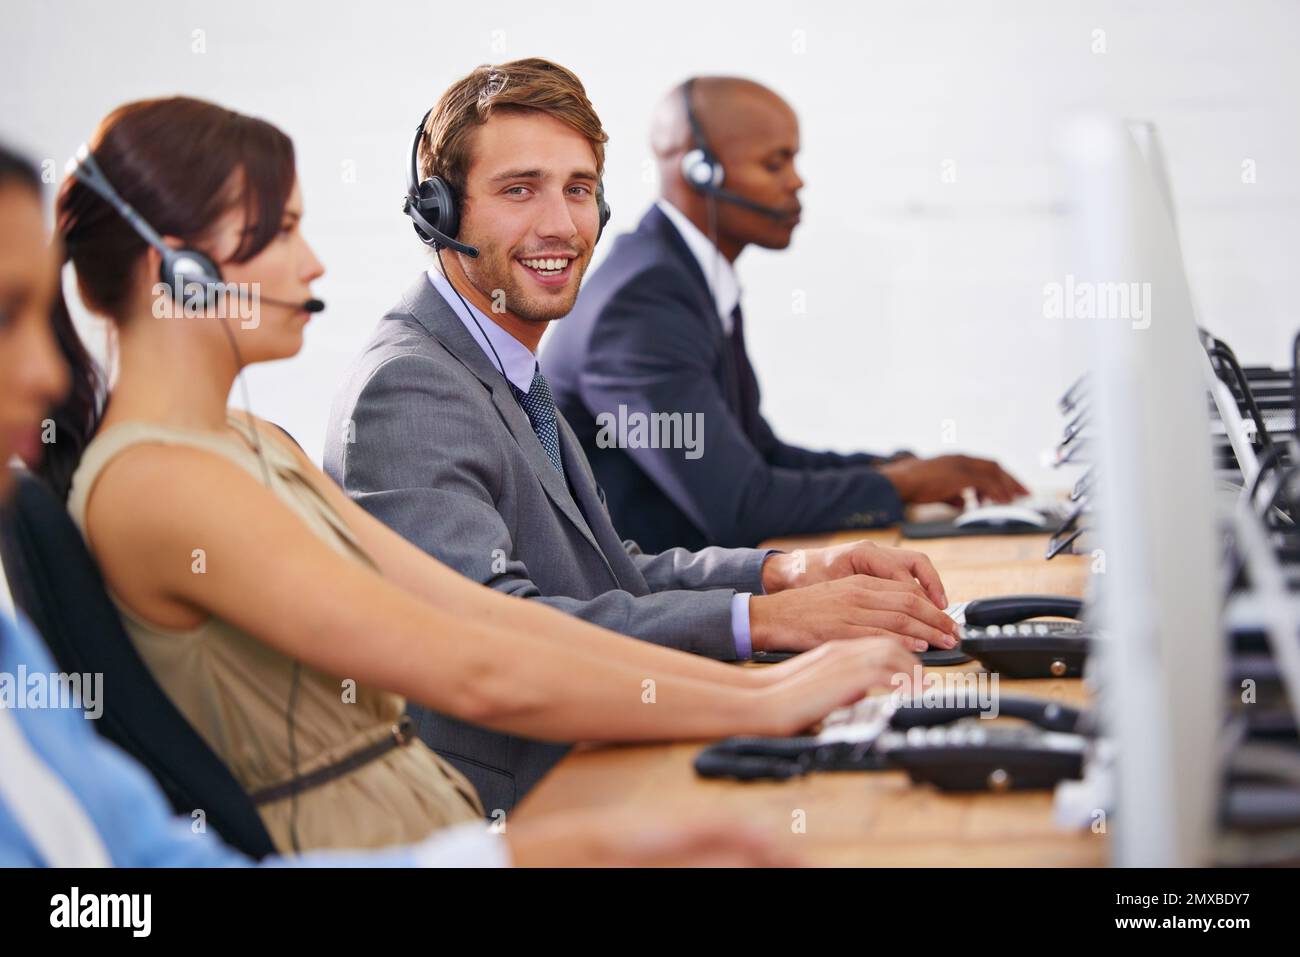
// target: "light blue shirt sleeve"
[[131, 815], [740, 630], [740, 625]]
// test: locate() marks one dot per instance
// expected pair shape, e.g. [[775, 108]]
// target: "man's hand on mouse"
[[945, 477]]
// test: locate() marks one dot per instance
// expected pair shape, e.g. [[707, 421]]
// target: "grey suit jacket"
[[427, 437]]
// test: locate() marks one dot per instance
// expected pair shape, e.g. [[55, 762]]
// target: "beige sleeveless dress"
[[235, 689]]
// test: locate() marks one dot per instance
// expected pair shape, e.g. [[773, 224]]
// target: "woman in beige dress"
[[287, 624]]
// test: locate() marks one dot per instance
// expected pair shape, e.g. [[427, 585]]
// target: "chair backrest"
[[57, 584]]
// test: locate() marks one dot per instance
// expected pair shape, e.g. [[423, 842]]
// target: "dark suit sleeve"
[[651, 351], [778, 453], [434, 479]]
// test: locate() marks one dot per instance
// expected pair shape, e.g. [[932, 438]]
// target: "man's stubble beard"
[[491, 271]]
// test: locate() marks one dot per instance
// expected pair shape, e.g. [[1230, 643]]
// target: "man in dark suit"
[[650, 367]]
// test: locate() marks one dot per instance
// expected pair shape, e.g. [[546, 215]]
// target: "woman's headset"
[[181, 269], [188, 272]]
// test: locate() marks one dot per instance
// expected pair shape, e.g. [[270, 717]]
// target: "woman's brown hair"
[[181, 163]]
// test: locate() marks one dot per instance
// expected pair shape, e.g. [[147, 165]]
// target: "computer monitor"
[[1159, 592], [1147, 140]]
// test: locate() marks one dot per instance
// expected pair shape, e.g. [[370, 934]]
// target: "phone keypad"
[[1029, 629]]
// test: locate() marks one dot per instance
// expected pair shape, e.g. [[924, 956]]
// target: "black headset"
[[181, 270], [435, 212], [703, 171]]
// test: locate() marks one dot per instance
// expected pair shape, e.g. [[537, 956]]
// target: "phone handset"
[[1003, 635], [1015, 608]]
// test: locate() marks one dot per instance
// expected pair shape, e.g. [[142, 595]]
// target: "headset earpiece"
[[603, 208], [183, 269], [702, 170], [433, 210], [431, 204]]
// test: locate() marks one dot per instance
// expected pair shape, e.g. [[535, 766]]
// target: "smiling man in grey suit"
[[445, 428]]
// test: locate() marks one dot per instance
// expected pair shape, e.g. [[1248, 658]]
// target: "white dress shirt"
[[519, 364], [717, 269]]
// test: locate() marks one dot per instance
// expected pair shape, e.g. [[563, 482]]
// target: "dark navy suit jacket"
[[645, 335]]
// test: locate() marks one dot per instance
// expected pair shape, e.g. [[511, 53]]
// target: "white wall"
[[924, 298]]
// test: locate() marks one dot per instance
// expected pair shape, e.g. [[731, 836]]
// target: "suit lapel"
[[663, 229], [426, 304], [552, 481], [588, 499], [660, 226]]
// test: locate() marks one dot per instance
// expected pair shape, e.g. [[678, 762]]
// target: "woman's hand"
[[831, 676]]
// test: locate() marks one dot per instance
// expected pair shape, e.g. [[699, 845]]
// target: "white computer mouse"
[[1001, 516]]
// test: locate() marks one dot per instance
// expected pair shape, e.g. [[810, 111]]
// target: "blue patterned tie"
[[540, 406]]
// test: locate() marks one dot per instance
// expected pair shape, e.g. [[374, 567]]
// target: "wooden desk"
[[868, 818]]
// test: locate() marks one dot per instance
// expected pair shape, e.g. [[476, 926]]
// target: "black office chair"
[[56, 583]]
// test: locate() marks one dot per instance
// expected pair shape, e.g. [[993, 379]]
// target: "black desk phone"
[[1000, 634], [950, 747], [970, 756]]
